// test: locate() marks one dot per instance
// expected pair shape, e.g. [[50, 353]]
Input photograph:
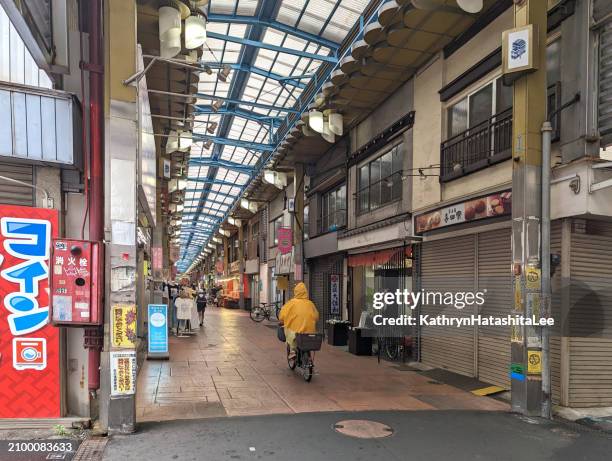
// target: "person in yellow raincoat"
[[298, 315]]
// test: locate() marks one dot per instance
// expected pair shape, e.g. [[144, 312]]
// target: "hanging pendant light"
[[216, 105], [223, 74], [471, 6], [336, 123], [169, 31], [207, 144], [212, 127], [327, 134], [315, 120], [195, 31]]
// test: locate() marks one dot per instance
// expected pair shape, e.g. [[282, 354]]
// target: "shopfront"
[[467, 248]]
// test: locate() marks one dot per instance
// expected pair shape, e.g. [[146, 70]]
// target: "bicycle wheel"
[[277, 311], [257, 314], [293, 361], [308, 367], [391, 348]]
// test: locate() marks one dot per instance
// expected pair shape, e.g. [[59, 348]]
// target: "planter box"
[[359, 345], [337, 334]]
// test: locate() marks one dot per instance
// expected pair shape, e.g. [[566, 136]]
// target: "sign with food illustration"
[[499, 204]]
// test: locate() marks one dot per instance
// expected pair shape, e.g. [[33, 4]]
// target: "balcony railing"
[[489, 142], [478, 147]]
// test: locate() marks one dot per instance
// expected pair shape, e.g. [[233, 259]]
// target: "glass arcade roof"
[[269, 50]]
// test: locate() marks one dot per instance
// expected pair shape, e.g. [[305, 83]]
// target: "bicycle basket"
[[309, 342]]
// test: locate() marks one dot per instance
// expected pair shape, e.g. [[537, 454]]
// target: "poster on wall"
[[123, 372], [123, 325], [29, 344]]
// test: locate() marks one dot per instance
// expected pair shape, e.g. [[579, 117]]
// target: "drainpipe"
[[545, 257], [546, 291], [93, 335]]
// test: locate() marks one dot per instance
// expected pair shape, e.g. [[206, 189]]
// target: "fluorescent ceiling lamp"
[[224, 232], [216, 239], [195, 31], [315, 120], [336, 123]]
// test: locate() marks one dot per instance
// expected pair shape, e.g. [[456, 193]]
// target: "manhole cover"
[[363, 429]]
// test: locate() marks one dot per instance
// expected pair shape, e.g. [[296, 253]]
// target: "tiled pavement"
[[236, 367]]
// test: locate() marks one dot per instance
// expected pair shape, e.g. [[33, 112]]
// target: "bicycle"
[[304, 357], [264, 311]]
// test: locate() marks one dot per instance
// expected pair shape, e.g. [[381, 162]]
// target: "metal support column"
[[529, 111], [298, 222], [226, 268], [241, 263]]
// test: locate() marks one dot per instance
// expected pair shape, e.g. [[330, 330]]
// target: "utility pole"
[[525, 60]]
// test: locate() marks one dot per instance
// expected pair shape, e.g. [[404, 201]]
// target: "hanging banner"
[[334, 306], [123, 372], [123, 325], [158, 329], [285, 240], [29, 344]]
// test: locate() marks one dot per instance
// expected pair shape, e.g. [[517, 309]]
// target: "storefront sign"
[[29, 345], [484, 207], [284, 263], [334, 306], [234, 266], [285, 240], [123, 372], [518, 49], [123, 325], [158, 329]]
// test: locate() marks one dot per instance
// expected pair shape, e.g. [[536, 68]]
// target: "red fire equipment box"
[[75, 283]]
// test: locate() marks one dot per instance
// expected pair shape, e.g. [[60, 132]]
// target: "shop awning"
[[377, 258]]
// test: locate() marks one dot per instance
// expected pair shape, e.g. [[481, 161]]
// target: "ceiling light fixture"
[[212, 127], [195, 31], [169, 31], [224, 73], [216, 105], [315, 121]]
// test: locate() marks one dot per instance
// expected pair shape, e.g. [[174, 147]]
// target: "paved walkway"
[[236, 367]]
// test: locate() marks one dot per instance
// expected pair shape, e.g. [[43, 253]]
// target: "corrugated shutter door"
[[605, 84], [590, 317], [16, 194], [494, 263], [448, 265], [555, 334]]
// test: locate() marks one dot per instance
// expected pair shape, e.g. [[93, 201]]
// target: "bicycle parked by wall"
[[267, 311]]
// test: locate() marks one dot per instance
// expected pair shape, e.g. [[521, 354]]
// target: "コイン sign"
[[29, 345]]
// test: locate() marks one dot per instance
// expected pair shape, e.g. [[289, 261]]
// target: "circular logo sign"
[[158, 320]]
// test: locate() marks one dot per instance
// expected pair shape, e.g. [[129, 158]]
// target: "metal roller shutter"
[[590, 316], [448, 265], [555, 334], [601, 8], [16, 194], [605, 84], [494, 262]]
